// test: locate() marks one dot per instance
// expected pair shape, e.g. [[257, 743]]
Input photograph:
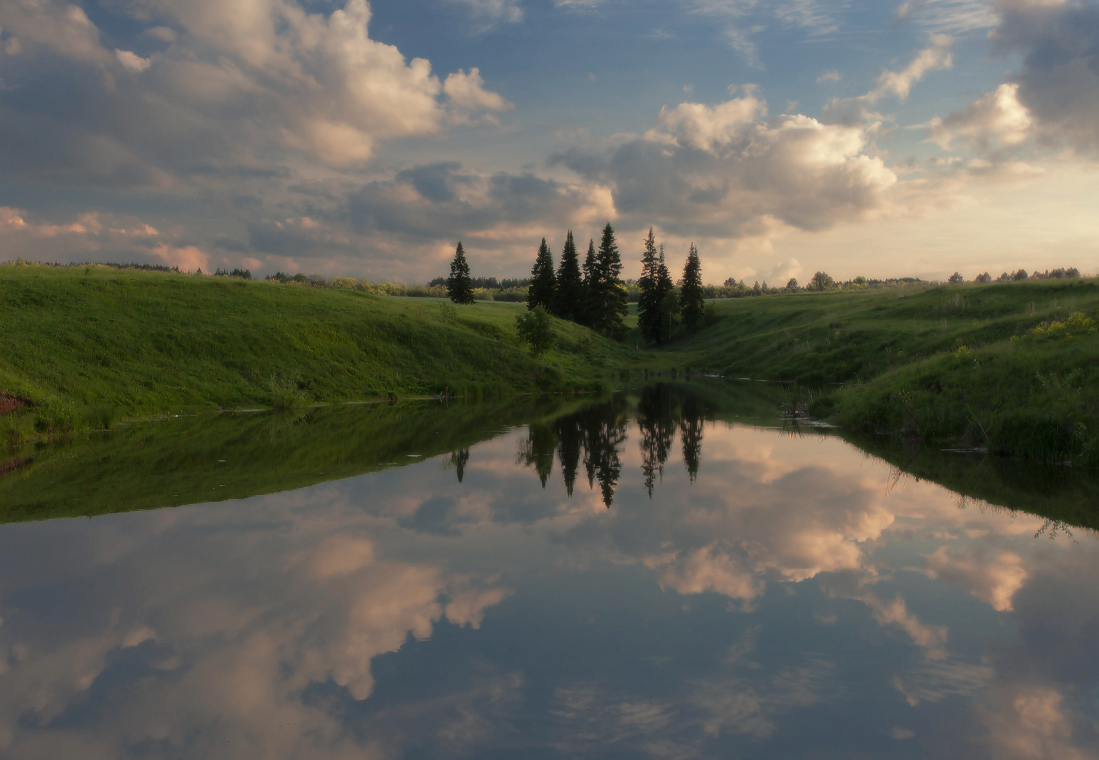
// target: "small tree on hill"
[[648, 302], [536, 330], [792, 284], [983, 278], [543, 282], [956, 278], [459, 286], [822, 281], [568, 299], [691, 298]]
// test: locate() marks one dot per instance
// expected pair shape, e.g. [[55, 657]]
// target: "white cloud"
[[260, 77], [935, 57], [494, 11], [992, 120], [1058, 81], [467, 95], [96, 236], [722, 173], [132, 61]]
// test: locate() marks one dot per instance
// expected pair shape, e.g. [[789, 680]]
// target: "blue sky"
[[365, 139]]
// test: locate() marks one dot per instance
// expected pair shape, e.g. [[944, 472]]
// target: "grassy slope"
[[898, 352], [88, 345]]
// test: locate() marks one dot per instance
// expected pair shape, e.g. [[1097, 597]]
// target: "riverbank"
[[86, 347], [1011, 367]]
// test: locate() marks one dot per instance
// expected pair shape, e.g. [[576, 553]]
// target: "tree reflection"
[[459, 459], [537, 450], [597, 433], [657, 423], [691, 434]]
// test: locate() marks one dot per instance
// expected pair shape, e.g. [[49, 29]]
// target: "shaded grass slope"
[[1013, 367], [84, 347]]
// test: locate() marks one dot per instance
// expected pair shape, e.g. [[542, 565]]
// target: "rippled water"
[[634, 578]]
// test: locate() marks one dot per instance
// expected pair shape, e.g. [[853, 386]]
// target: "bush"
[[285, 393], [536, 330]]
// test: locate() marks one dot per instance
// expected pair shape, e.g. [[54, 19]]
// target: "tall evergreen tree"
[[610, 294], [648, 304], [590, 294], [691, 298], [666, 299], [459, 286], [568, 299], [543, 282]]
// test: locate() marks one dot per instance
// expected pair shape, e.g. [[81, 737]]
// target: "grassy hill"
[[88, 346], [1012, 366]]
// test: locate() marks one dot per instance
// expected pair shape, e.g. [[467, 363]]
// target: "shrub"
[[536, 330], [285, 393]]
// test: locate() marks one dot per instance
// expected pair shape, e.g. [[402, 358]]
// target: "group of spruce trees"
[[593, 294]]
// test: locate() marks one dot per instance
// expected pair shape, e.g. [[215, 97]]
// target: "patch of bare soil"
[[9, 404], [13, 465]]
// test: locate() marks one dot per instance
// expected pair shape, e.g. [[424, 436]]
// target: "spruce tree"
[[610, 293], [668, 304], [568, 299], [590, 292], [542, 280], [691, 298], [459, 286], [648, 304]]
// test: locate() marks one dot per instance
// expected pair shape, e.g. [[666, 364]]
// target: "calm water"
[[644, 577]]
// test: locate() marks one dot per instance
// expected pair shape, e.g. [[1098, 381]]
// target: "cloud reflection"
[[743, 582]]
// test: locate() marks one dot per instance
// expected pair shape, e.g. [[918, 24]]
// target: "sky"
[[355, 138]]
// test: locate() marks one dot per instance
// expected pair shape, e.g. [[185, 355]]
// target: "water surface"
[[645, 576]]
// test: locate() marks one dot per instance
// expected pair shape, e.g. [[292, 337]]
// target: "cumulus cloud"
[[1058, 81], [467, 95], [721, 171], [96, 236], [247, 81], [993, 120]]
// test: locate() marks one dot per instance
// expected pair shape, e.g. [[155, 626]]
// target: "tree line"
[[594, 294]]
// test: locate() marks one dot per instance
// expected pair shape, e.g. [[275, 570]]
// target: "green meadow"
[[1012, 367], [86, 347], [1008, 367]]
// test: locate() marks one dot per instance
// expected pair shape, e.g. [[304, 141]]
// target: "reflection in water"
[[771, 597], [459, 459], [599, 431]]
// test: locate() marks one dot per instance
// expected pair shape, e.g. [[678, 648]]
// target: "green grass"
[[953, 363], [87, 347]]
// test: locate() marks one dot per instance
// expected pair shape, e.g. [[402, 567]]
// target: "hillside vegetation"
[[1014, 366], [83, 347]]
